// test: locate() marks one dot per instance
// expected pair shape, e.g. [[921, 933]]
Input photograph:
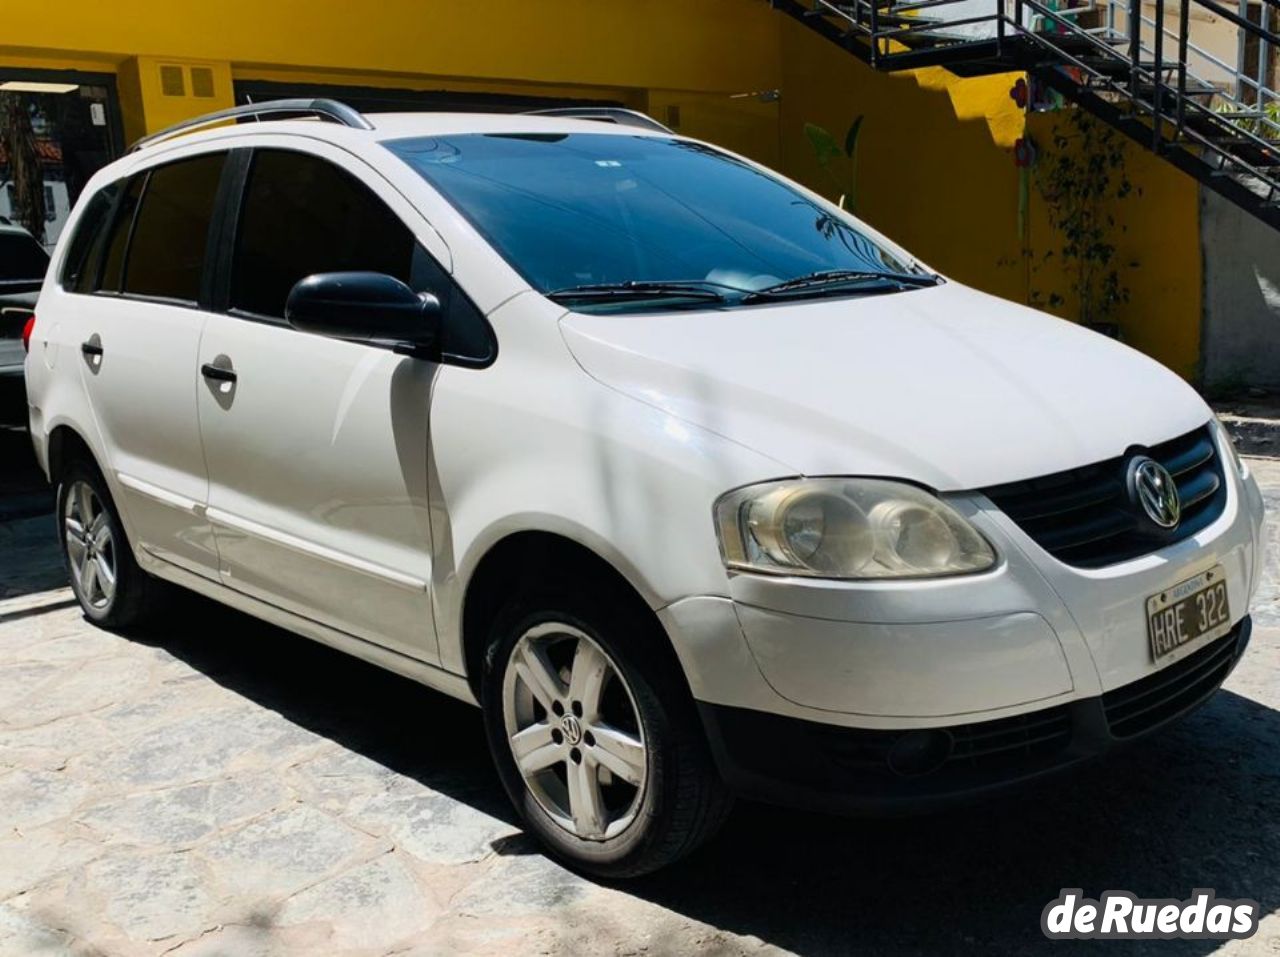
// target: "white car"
[[696, 484]]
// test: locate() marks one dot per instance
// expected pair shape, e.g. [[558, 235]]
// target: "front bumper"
[[793, 676], [795, 762], [1029, 634]]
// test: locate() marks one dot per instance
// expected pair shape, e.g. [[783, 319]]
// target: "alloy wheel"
[[574, 731], [91, 547]]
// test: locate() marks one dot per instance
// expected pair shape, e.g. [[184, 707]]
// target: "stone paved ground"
[[215, 786]]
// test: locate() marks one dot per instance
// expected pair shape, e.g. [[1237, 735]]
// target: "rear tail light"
[[29, 328]]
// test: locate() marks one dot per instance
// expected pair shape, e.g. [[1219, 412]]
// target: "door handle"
[[91, 348], [217, 373]]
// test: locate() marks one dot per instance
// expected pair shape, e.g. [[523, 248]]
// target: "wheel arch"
[[66, 444], [526, 559]]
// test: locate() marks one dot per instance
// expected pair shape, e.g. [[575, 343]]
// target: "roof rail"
[[330, 110], [606, 114]]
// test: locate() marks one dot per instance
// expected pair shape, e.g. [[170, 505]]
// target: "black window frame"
[[236, 182]]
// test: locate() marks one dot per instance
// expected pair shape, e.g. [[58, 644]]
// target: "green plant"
[[831, 156], [1081, 179], [1254, 125]]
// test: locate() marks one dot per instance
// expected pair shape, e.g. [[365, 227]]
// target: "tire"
[[658, 796], [112, 590]]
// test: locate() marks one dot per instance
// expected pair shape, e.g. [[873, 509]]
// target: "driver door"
[[317, 448]]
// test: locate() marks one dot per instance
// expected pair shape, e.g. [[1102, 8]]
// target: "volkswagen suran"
[[696, 484]]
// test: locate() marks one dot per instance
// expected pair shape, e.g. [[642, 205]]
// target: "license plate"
[[1189, 610]]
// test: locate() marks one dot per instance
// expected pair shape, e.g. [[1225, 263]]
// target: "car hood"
[[945, 386]]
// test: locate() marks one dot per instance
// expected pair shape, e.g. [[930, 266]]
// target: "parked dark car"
[[23, 262]]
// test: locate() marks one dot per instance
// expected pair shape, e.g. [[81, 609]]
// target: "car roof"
[[337, 123]]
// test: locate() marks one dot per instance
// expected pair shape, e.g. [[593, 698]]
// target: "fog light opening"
[[919, 752]]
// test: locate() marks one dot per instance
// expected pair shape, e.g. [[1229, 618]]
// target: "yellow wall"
[[935, 172], [720, 45], [649, 54], [1158, 257], [145, 106]]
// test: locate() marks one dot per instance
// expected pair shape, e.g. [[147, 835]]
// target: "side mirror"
[[367, 307]]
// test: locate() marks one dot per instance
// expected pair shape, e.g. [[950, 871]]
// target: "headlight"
[[847, 528], [1224, 434]]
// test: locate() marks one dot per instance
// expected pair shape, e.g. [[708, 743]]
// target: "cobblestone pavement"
[[216, 786]]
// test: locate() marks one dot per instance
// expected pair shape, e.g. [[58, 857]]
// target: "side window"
[[167, 251], [84, 252], [464, 332], [118, 235], [302, 215]]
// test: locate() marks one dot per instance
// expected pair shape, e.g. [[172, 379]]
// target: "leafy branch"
[[1080, 179], [831, 156]]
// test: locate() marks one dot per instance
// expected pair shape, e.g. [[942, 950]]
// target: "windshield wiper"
[[836, 279], [698, 290]]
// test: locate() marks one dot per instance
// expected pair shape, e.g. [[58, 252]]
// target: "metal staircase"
[[1215, 119]]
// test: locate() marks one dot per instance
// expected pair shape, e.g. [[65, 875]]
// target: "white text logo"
[[1119, 914]]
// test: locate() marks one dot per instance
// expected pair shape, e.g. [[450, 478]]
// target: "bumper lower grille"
[[1151, 701], [1024, 737], [1083, 516], [987, 746]]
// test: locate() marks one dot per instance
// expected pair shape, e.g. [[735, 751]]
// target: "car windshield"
[[618, 222], [21, 257]]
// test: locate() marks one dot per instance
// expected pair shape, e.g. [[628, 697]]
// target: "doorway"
[[57, 128]]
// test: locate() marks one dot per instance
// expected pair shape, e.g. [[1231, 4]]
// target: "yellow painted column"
[[156, 92]]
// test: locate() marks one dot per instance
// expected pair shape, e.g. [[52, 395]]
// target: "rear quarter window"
[[84, 251], [117, 239]]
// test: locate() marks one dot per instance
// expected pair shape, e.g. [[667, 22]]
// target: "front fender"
[[535, 444]]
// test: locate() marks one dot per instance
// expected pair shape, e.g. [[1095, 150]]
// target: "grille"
[[1083, 516], [1024, 737], [1143, 705], [986, 746]]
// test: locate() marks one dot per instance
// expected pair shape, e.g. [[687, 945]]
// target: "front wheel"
[[595, 740]]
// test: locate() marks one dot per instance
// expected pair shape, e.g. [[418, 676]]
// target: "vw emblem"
[[1152, 488], [572, 728]]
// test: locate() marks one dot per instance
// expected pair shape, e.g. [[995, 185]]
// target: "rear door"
[[140, 328], [317, 449]]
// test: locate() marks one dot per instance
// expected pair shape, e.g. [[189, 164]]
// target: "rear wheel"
[[595, 740], [112, 590]]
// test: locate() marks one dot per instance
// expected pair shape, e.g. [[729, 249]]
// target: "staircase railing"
[[1133, 70]]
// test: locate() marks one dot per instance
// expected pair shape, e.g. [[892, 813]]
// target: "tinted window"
[[84, 252], [21, 257], [303, 215], [574, 209], [118, 236], [166, 253], [463, 332]]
